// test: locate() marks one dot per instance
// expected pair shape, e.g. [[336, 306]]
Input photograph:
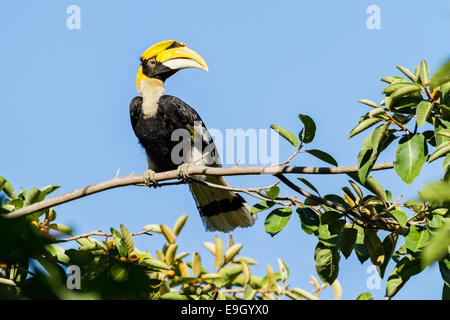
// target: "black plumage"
[[155, 133]]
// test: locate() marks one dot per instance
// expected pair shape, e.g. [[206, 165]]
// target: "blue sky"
[[65, 96]]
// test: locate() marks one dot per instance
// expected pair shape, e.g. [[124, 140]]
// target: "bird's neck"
[[151, 90]]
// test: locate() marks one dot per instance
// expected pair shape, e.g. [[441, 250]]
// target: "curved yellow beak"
[[175, 55]]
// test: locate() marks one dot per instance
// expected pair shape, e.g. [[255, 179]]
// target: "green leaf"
[[128, 239], [232, 252], [60, 228], [310, 128], [396, 86], [363, 125], [327, 262], [442, 150], [441, 125], [407, 73], [369, 103], [49, 189], [446, 163], [170, 253], [374, 247], [403, 271], [284, 270], [174, 296], [330, 217], [154, 264], [277, 220], [389, 244], [365, 296], [414, 205], [327, 237], [179, 224], [289, 136], [372, 146], [196, 264], [417, 239], [119, 273], [392, 79], [348, 240], [6, 187], [219, 252], [273, 192], [168, 234], [376, 112], [405, 91], [438, 247], [57, 252], [309, 219], [400, 216], [446, 291], [308, 184], [357, 189], [322, 156], [410, 157], [436, 193], [372, 185], [444, 268], [394, 284], [441, 76], [424, 72], [33, 195], [262, 206], [423, 111]]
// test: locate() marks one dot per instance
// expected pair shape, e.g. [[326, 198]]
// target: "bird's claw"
[[149, 178], [182, 171]]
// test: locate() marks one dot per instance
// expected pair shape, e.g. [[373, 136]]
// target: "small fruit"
[[170, 273], [43, 229]]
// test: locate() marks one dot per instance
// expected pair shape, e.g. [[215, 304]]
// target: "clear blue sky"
[[65, 95]]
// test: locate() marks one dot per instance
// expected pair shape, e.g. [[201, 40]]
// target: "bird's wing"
[[135, 110], [183, 116]]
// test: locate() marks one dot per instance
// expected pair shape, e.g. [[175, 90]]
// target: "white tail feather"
[[223, 221]]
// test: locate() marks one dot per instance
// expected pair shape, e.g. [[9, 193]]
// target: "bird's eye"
[[151, 63]]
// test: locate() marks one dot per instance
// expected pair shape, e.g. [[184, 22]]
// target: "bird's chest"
[[152, 90]]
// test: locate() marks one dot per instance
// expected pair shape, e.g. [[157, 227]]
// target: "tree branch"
[[7, 282], [99, 233], [134, 179]]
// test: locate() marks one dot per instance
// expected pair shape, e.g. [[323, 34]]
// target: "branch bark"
[[134, 179]]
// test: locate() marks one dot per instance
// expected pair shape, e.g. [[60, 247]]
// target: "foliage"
[[33, 258], [415, 112]]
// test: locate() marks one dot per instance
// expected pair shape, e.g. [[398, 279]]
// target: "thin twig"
[[99, 233]]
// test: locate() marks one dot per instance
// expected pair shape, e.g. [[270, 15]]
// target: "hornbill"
[[154, 118]]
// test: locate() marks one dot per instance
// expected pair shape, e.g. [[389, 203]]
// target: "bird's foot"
[[149, 178], [182, 171]]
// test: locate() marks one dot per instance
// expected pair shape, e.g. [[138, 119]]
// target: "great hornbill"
[[155, 116]]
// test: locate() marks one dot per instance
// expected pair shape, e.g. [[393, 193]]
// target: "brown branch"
[[7, 282], [100, 234], [134, 179]]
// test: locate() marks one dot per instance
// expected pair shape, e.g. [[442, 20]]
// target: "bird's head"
[[163, 59]]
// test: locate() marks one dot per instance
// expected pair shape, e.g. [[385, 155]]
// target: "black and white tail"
[[221, 210]]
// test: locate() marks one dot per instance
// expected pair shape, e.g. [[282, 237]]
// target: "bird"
[[155, 117]]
